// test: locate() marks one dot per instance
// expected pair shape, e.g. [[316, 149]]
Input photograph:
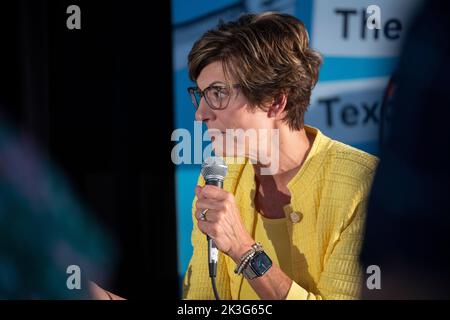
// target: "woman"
[[307, 216]]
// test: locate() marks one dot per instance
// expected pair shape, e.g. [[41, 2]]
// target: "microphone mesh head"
[[214, 168]]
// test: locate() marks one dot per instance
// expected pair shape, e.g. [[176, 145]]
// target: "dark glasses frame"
[[203, 94]]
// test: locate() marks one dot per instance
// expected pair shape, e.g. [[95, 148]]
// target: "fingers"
[[216, 209], [208, 204], [96, 292], [208, 228], [219, 204], [211, 192], [197, 191], [210, 216]]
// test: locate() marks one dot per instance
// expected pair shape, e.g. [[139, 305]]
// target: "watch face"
[[261, 263]]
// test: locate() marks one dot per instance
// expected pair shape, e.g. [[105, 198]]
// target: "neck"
[[293, 149]]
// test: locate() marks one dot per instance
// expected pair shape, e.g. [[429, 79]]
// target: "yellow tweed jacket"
[[327, 212]]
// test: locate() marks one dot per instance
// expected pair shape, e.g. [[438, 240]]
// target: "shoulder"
[[335, 157], [341, 182], [344, 159], [347, 176], [342, 170]]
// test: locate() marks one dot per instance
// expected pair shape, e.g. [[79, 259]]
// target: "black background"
[[99, 101]]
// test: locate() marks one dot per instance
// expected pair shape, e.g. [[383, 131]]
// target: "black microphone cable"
[[212, 264]]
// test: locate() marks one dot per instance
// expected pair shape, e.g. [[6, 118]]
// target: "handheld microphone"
[[214, 170]]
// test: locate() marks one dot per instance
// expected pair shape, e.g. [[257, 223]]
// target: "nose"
[[204, 112]]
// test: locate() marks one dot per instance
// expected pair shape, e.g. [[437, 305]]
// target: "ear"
[[277, 106]]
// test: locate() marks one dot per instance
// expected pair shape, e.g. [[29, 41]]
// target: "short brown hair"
[[268, 54]]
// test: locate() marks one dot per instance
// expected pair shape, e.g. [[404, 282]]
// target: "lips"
[[216, 130]]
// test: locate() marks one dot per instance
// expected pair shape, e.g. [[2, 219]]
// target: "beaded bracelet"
[[245, 259]]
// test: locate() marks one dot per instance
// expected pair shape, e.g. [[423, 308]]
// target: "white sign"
[[340, 27], [348, 111]]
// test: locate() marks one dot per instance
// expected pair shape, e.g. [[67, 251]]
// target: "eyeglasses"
[[217, 95]]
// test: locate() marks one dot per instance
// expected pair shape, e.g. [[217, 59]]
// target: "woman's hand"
[[223, 221], [98, 293], [225, 227]]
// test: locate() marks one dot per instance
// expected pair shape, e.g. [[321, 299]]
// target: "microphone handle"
[[213, 252]]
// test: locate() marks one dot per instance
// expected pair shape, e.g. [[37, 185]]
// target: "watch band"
[[244, 260], [248, 273]]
